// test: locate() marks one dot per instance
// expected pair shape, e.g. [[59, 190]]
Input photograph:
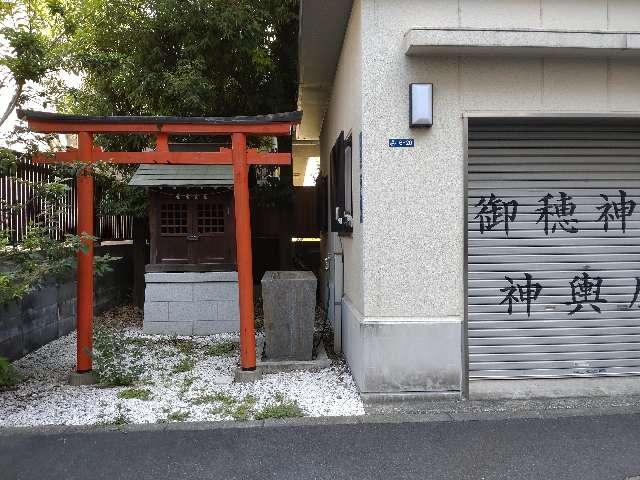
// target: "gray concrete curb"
[[322, 421]]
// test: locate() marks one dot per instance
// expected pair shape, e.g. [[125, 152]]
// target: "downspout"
[[338, 285]]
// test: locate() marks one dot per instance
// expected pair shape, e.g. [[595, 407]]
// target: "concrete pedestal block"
[[289, 300], [78, 379], [191, 303], [247, 376]]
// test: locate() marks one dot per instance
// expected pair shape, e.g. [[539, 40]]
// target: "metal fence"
[[17, 189]]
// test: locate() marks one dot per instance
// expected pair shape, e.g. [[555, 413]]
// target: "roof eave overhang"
[[322, 29], [273, 124]]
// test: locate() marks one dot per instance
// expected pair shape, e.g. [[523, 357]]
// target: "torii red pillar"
[[243, 248], [84, 305]]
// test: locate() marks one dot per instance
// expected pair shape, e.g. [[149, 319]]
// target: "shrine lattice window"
[[174, 219], [210, 218]]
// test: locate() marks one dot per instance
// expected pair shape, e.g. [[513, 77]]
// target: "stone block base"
[[77, 379], [247, 376], [191, 303]]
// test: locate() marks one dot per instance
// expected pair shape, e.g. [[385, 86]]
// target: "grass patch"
[[244, 410], [223, 398], [186, 385], [135, 393], [114, 363], [186, 364], [9, 376], [229, 406], [178, 416], [221, 349], [282, 408], [183, 345]]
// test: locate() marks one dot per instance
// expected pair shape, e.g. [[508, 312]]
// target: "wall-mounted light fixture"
[[421, 104]]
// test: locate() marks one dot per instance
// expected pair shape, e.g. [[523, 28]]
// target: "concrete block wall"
[[50, 312], [191, 303]]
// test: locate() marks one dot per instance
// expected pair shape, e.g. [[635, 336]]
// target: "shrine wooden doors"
[[192, 228]]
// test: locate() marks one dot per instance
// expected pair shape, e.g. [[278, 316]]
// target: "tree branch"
[[12, 103]]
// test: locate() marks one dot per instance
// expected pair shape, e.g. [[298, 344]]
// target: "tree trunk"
[[12, 103]]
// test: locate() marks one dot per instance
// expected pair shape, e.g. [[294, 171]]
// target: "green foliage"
[[187, 381], [272, 192], [35, 33], [282, 408], [244, 410], [185, 364], [8, 161], [154, 57], [175, 57], [117, 197], [9, 376], [217, 397], [222, 349], [113, 362], [37, 258], [135, 393], [183, 345], [229, 406]]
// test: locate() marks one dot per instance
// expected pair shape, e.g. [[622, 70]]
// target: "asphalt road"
[[600, 448]]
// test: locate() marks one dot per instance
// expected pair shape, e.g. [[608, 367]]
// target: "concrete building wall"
[[344, 114], [412, 242]]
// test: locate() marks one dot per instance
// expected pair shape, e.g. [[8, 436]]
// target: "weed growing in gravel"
[[9, 376], [186, 385], [184, 345], [213, 398], [228, 406], [120, 418], [113, 362], [282, 408], [221, 349], [244, 410], [186, 364], [135, 393], [178, 416]]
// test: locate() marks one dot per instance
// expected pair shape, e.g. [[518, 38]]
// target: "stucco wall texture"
[[404, 294], [344, 114], [413, 198]]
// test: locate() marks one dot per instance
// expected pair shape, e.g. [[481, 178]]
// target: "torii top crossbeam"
[[279, 124]]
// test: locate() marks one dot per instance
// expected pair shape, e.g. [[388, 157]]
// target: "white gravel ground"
[[204, 393]]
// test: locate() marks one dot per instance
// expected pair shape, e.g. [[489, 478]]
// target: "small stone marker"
[[289, 300]]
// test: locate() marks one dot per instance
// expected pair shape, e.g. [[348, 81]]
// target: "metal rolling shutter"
[[524, 163]]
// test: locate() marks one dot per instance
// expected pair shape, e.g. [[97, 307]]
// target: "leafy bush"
[[114, 364], [9, 376]]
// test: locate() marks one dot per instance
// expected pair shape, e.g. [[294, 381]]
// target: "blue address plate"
[[401, 142]]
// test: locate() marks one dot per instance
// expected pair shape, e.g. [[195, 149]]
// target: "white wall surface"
[[344, 114], [413, 240], [404, 306]]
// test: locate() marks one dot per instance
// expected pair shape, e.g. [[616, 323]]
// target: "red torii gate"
[[279, 124]]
